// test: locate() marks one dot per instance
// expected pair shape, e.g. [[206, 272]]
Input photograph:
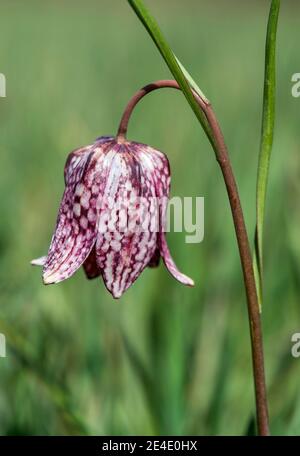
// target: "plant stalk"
[[222, 156]]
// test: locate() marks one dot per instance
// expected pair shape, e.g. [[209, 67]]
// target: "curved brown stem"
[[222, 157], [164, 83]]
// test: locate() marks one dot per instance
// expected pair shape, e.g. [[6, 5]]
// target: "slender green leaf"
[[191, 81], [179, 72], [267, 135]]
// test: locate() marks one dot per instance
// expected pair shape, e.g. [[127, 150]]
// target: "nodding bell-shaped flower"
[[112, 216]]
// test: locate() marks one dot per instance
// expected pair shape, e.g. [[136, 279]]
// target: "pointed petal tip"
[[170, 264], [38, 261], [51, 277], [115, 291], [191, 284], [116, 295], [188, 281], [182, 278]]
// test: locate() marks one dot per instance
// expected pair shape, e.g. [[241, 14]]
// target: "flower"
[[112, 216]]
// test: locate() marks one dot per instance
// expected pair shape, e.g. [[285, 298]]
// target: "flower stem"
[[217, 140]]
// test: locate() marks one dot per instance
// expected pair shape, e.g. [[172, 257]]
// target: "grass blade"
[[267, 135]]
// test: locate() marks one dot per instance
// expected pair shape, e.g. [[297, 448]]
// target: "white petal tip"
[[39, 261], [49, 278], [116, 296], [185, 280], [190, 282], [116, 293]]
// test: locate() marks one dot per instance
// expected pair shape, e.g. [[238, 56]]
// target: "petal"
[[170, 265], [125, 244], [158, 164], [75, 232], [39, 261], [162, 180], [90, 266], [72, 162], [122, 261]]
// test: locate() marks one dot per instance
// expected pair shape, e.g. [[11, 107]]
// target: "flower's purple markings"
[[74, 235], [110, 220]]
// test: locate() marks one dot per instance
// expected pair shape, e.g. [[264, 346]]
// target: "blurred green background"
[[165, 359]]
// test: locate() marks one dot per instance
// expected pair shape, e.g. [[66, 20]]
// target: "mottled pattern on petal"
[[75, 158], [109, 219], [122, 261], [75, 232], [123, 250], [159, 167], [162, 180]]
